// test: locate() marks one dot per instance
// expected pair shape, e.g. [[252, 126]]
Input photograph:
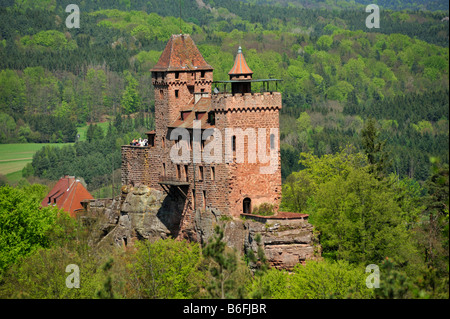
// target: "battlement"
[[255, 101]]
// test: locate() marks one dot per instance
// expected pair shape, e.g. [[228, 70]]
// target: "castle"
[[241, 171], [213, 157]]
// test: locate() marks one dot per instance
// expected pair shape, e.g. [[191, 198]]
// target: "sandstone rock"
[[146, 213], [284, 245]]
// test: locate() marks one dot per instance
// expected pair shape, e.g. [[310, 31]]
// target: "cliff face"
[[145, 213]]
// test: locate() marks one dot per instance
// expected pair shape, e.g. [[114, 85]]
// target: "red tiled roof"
[[181, 54], [67, 195], [202, 106], [240, 65]]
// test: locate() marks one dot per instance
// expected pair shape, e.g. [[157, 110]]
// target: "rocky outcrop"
[[140, 213], [145, 213], [285, 244]]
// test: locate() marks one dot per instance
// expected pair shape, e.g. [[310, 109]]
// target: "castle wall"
[[139, 166]]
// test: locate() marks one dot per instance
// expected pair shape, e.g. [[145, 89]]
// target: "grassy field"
[[83, 130], [14, 157]]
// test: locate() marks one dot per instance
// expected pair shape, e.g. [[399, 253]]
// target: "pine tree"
[[374, 148], [260, 264], [223, 266]]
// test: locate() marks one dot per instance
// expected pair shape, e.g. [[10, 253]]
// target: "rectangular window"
[[213, 173], [176, 93], [177, 75], [161, 94], [151, 140], [211, 118], [164, 170], [200, 173], [186, 173], [202, 74], [204, 199], [178, 172]]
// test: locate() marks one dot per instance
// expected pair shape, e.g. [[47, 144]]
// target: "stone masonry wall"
[[139, 166], [247, 180]]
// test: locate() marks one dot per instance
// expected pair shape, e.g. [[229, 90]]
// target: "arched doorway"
[[247, 206]]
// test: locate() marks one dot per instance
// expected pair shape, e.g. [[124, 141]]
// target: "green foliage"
[[24, 226], [94, 133], [42, 275], [167, 269], [223, 267], [315, 280], [260, 266], [433, 230], [130, 99], [264, 209], [7, 125], [50, 39], [393, 283], [360, 217], [106, 292], [374, 148]]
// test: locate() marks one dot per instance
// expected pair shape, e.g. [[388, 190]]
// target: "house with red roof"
[[67, 195]]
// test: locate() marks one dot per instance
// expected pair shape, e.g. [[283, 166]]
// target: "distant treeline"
[[36, 128]]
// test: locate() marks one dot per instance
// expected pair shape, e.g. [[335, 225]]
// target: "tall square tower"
[[240, 127]]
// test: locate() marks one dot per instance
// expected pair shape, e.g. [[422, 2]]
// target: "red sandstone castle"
[[185, 99]]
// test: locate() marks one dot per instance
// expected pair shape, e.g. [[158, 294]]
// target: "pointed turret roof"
[[181, 54], [240, 65]]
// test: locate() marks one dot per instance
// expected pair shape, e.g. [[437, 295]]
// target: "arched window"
[[247, 206]]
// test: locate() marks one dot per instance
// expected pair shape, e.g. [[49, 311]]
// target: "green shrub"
[[265, 209]]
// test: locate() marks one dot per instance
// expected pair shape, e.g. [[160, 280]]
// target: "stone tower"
[[252, 120], [180, 73], [247, 169]]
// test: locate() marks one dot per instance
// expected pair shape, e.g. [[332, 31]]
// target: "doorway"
[[247, 203]]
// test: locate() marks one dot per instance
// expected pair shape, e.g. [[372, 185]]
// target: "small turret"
[[242, 74]]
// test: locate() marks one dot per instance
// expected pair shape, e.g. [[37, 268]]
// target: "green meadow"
[[83, 129], [14, 157]]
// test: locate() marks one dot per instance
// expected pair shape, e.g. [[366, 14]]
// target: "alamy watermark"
[[373, 280], [226, 149], [73, 20], [73, 280], [373, 19]]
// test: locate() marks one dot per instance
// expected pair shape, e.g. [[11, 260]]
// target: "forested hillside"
[[335, 71], [431, 5]]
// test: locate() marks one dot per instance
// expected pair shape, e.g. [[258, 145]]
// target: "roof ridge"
[[181, 54]]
